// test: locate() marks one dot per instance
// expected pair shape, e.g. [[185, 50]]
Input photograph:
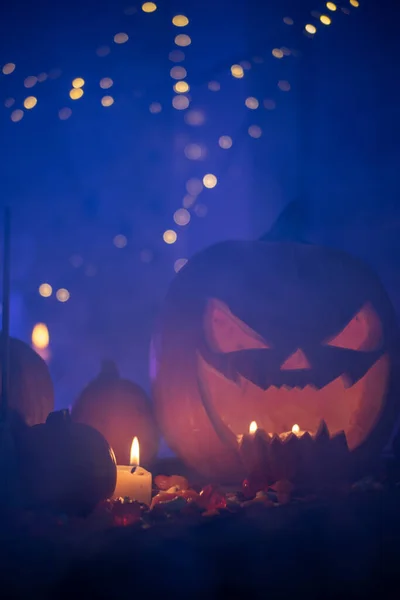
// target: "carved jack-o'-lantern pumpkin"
[[280, 333]]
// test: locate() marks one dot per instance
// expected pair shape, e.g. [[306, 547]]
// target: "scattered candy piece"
[[176, 504], [164, 482], [126, 513], [254, 483], [162, 497], [211, 498], [283, 489]]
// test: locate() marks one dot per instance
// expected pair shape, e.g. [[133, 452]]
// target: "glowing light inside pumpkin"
[[295, 429], [40, 336], [135, 453], [253, 427]]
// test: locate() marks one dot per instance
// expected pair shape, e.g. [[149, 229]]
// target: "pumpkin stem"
[[290, 224], [58, 417], [109, 369]]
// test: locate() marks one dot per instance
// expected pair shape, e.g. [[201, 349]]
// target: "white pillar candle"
[[137, 484]]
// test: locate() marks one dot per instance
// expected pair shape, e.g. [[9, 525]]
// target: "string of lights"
[[183, 92]]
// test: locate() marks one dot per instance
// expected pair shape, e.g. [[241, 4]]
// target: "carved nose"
[[296, 362]]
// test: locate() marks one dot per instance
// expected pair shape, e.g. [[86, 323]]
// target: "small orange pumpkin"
[[120, 410], [31, 392]]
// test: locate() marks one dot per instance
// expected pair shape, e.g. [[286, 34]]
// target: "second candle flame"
[[253, 427]]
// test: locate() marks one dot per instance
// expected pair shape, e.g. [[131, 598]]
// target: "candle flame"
[[135, 453], [295, 429], [253, 427]]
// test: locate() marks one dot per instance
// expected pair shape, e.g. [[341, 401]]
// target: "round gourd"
[[66, 467], [120, 410], [31, 392], [280, 333]]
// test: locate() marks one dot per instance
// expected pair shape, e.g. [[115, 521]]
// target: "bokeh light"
[[176, 56], [149, 7], [269, 104], [237, 71], [30, 102], [311, 29], [42, 77], [120, 241], [200, 210], [195, 117], [225, 142], [45, 290], [78, 82], [288, 21], [121, 38], [62, 295], [40, 336], [17, 115], [180, 21], [325, 20], [277, 52], [76, 261], [331, 6], [8, 69], [284, 85], [252, 103], [155, 108], [107, 101], [64, 113], [182, 216], [170, 236], [180, 102], [188, 201], [214, 86], [106, 83], [30, 81], [210, 181], [103, 51], [179, 263], [183, 40], [255, 131], [178, 72], [355, 3], [195, 151], [194, 186], [181, 87], [76, 93], [9, 102]]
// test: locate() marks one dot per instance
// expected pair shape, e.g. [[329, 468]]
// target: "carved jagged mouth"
[[353, 409]]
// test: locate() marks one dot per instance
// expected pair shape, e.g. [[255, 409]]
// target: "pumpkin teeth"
[[346, 380]]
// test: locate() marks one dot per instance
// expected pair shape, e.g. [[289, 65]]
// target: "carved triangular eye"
[[363, 332], [227, 333]]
